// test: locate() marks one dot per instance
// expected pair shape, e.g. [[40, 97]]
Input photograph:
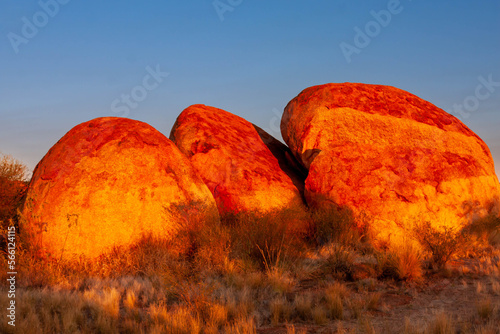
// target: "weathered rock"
[[387, 153], [246, 169], [107, 183]]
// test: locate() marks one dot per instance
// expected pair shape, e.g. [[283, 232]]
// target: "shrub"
[[281, 310], [340, 262], [12, 169], [400, 262], [319, 315], [303, 306], [13, 186], [442, 324], [486, 228], [149, 256], [267, 239], [335, 224], [485, 309], [336, 289], [335, 307], [441, 243], [242, 326]]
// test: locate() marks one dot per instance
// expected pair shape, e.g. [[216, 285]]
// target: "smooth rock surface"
[[389, 154], [107, 182], [246, 169]]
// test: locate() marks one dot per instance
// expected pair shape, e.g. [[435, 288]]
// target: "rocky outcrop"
[[107, 183], [246, 169], [387, 153]]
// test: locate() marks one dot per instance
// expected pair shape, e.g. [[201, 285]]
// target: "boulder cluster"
[[376, 150]]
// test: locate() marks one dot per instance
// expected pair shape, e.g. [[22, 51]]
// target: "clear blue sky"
[[247, 57]]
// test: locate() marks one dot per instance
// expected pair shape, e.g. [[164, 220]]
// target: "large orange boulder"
[[384, 152], [107, 183], [246, 169]]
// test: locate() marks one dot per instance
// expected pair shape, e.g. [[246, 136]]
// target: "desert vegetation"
[[252, 274], [13, 177]]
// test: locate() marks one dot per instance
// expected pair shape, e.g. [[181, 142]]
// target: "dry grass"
[[339, 261], [495, 287], [441, 243], [267, 240], [334, 295], [241, 326], [410, 328], [247, 274], [339, 225], [373, 301], [401, 262], [281, 310], [303, 305], [239, 302], [366, 326], [319, 315], [485, 309], [442, 324], [290, 329]]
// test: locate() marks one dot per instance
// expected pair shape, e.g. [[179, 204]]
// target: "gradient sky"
[[247, 57]]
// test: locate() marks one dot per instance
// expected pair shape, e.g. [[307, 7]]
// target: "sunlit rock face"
[[389, 154], [106, 183], [245, 168]]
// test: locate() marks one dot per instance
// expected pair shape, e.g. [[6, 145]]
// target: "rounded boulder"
[[108, 182], [245, 168], [384, 152]]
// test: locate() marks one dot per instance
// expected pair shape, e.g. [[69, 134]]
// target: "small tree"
[[12, 169], [13, 184]]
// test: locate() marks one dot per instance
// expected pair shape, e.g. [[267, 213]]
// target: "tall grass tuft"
[[267, 239], [400, 262], [339, 261], [442, 324], [339, 225]]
